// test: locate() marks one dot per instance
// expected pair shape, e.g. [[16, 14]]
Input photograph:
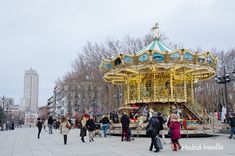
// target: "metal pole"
[[3, 119], [226, 94], [213, 123], [118, 98]]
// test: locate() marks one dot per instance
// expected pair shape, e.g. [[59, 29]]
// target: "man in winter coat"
[[125, 121], [155, 125], [90, 124], [39, 125], [50, 124], [232, 125]]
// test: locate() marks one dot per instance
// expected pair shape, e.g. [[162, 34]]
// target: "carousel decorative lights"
[[161, 77]]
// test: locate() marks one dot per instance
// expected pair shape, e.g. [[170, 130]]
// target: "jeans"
[[104, 128], [232, 132], [153, 143], [65, 139], [91, 135], [39, 131], [50, 128], [125, 133]]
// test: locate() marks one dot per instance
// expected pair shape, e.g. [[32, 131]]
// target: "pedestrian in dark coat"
[[155, 126], [175, 132], [232, 125], [125, 121], [161, 128], [90, 124], [50, 124], [39, 125], [105, 124], [83, 128], [12, 126]]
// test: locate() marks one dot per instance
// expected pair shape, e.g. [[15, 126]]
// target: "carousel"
[[161, 78]]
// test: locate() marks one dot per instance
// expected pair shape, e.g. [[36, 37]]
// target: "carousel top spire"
[[155, 31], [156, 44]]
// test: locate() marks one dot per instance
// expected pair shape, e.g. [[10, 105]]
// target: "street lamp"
[[224, 79], [3, 106], [118, 96]]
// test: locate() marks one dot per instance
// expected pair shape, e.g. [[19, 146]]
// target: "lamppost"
[[94, 105], [224, 79], [3, 106], [118, 96]]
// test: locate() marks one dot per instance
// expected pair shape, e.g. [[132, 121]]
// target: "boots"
[[174, 147], [82, 138]]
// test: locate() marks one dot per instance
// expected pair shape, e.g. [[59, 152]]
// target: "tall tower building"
[[30, 99]]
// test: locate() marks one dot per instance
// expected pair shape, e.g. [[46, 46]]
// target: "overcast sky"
[[47, 34]]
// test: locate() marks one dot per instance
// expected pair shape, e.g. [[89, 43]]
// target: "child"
[[175, 132]]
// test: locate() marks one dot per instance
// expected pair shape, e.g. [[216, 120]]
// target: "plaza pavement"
[[24, 142]]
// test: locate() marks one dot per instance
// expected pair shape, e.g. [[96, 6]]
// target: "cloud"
[[47, 34]]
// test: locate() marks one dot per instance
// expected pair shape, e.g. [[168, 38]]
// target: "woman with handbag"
[[64, 128]]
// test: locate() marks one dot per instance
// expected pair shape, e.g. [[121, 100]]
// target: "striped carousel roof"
[[156, 45]]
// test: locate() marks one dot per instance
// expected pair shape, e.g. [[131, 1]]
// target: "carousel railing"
[[196, 109]]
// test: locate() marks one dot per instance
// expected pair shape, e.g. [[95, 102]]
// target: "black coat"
[[83, 132], [232, 122], [50, 120], [160, 119], [125, 121], [39, 124], [154, 122], [105, 120], [90, 124]]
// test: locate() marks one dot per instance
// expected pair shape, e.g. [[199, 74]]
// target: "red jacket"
[[175, 129]]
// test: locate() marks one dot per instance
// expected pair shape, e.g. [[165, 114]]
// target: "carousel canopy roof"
[[156, 45], [156, 57]]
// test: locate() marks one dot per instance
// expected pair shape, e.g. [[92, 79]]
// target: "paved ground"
[[23, 142]]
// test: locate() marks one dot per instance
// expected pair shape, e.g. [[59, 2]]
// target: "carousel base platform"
[[184, 133]]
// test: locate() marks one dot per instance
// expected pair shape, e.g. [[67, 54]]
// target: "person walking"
[[105, 124], [64, 128], [83, 128], [175, 132], [12, 126], [154, 127], [125, 121], [50, 124], [45, 124], [232, 125], [39, 125], [161, 128], [90, 124]]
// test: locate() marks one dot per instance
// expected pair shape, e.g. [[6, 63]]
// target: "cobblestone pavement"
[[24, 142]]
